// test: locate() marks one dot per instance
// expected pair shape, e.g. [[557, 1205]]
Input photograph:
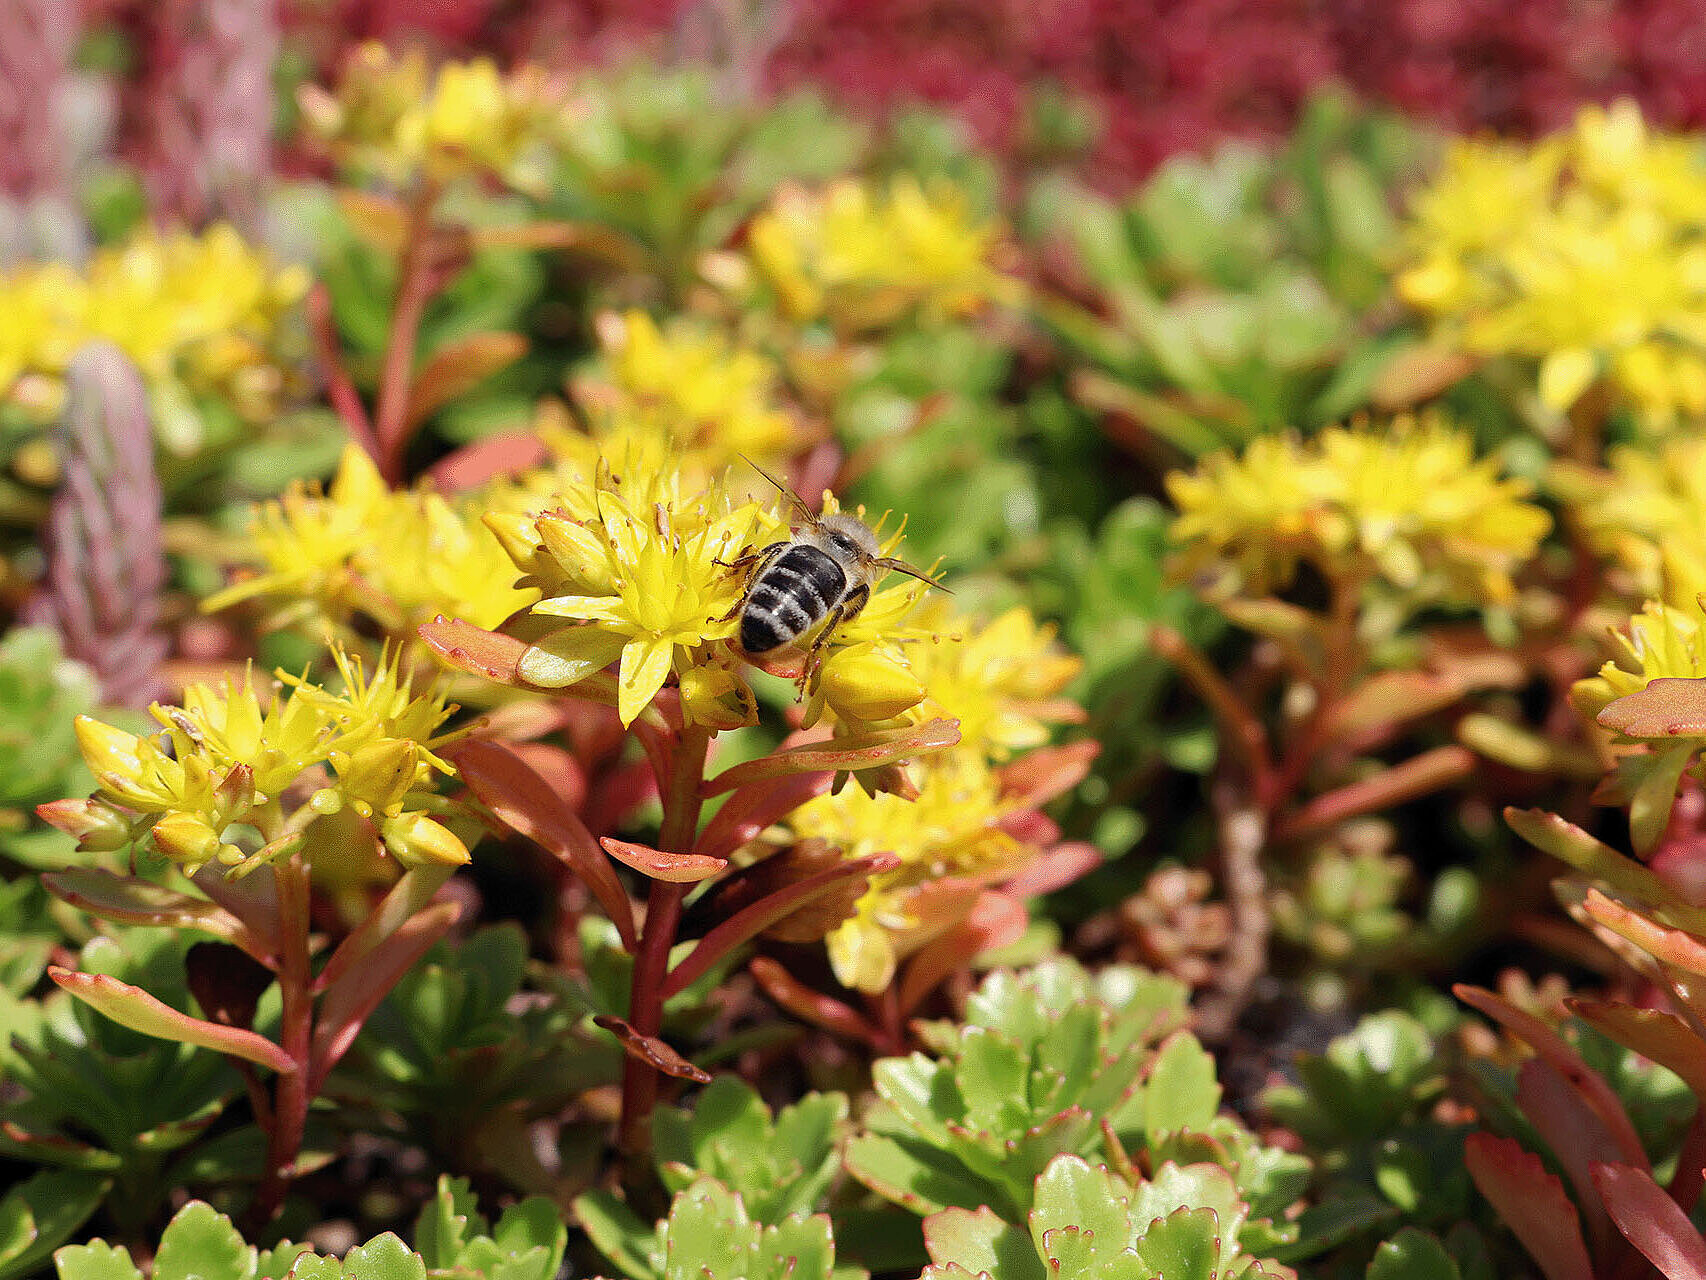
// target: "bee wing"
[[812, 517]]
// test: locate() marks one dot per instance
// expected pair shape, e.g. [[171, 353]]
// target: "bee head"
[[847, 539]]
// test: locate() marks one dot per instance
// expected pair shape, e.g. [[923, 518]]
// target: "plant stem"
[[414, 291], [681, 802], [296, 1037]]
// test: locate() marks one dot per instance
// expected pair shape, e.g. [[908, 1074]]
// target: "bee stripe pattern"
[[790, 595]]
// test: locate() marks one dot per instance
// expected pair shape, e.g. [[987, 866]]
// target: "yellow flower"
[[1646, 510], [1585, 252], [643, 574], [197, 314], [864, 259], [714, 400], [1658, 641], [400, 558], [397, 118], [951, 829], [1410, 505], [234, 763]]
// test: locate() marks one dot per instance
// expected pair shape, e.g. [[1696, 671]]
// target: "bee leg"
[[756, 561], [846, 611]]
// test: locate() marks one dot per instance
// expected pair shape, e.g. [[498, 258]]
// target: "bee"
[[817, 579]]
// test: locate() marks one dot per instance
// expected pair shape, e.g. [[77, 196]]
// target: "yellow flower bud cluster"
[[197, 314], [402, 120], [398, 557], [1659, 641], [1585, 251], [1408, 505], [863, 258], [1646, 511], [238, 776]]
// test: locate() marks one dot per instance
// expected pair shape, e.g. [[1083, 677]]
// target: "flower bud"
[[717, 698], [377, 773], [415, 839], [95, 824], [580, 556], [861, 684], [186, 838]]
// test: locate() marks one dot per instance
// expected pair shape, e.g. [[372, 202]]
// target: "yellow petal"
[[416, 839], [1564, 376], [862, 955], [645, 666], [863, 684]]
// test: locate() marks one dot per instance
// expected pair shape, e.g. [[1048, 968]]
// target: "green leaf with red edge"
[[1389, 700], [1553, 1047], [1652, 1033], [1652, 1221], [1532, 1202], [1669, 707], [129, 900], [458, 367], [1039, 776], [410, 894], [651, 1051], [1676, 947], [1654, 776], [505, 784], [134, 1008], [754, 919], [351, 1000], [507, 453], [880, 747], [674, 868], [1598, 860]]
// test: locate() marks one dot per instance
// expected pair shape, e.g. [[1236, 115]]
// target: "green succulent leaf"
[[201, 1244], [384, 1257], [96, 1260], [1413, 1255]]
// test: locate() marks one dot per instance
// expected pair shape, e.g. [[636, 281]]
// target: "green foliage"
[[450, 1053], [1235, 289], [1044, 1064], [709, 1235], [778, 1166], [451, 1237], [117, 1107], [1184, 1224], [41, 693], [41, 1213]]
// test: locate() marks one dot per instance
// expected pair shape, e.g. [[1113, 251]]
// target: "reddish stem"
[[296, 1037], [681, 802], [339, 386], [415, 286]]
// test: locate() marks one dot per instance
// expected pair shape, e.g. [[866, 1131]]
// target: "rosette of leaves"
[[709, 1235], [1050, 1062], [1185, 1223], [1364, 1110], [112, 1108], [1230, 294], [451, 1239], [41, 693], [468, 1059]]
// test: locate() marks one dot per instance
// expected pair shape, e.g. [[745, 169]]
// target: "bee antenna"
[[811, 516], [900, 566]]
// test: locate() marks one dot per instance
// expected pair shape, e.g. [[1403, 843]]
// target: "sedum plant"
[[451, 1238], [42, 692], [1051, 1062], [1183, 1223]]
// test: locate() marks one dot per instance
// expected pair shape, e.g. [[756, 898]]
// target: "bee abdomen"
[[789, 598]]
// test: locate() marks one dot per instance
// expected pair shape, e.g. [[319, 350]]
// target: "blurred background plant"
[[389, 400]]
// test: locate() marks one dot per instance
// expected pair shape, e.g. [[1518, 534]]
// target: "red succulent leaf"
[[1652, 1221], [129, 900], [750, 921], [1039, 776], [995, 920], [676, 868], [1575, 1135], [1532, 1202], [756, 806], [652, 1051], [1672, 946], [813, 1006], [1669, 707], [1652, 1033], [134, 1008], [524, 800], [1551, 1046], [881, 747], [1054, 869], [462, 646], [565, 774]]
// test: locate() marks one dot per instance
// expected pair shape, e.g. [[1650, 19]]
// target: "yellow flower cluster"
[[238, 777], [398, 557], [712, 400], [1409, 505], [402, 120], [862, 259], [1585, 251], [197, 314], [1646, 511], [1001, 681], [1659, 641]]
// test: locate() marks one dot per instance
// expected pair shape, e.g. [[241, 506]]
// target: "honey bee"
[[817, 579]]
